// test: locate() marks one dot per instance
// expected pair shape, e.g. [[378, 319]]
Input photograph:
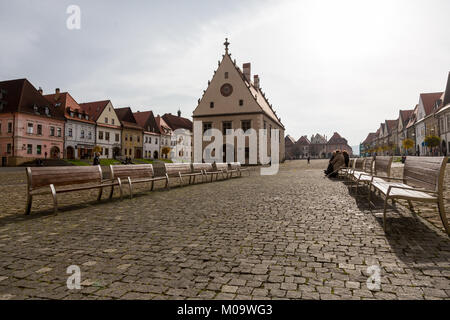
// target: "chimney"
[[179, 113], [57, 94], [40, 90], [256, 81], [246, 70]]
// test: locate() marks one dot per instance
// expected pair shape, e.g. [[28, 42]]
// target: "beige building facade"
[[233, 101]]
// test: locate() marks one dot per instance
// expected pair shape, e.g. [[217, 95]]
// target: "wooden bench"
[[134, 173], [201, 168], [44, 180], [216, 169], [235, 167], [367, 169], [380, 170], [423, 181], [344, 171], [180, 170]]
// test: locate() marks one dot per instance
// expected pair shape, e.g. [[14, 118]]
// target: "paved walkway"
[[293, 235]]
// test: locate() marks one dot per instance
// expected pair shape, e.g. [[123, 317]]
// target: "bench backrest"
[[351, 162], [234, 165], [359, 163], [134, 171], [173, 169], [218, 166], [199, 167], [62, 176], [383, 166], [425, 172], [368, 164]]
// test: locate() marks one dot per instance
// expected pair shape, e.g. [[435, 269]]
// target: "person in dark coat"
[[346, 157], [96, 159]]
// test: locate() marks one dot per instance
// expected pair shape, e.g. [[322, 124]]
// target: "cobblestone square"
[[293, 235]]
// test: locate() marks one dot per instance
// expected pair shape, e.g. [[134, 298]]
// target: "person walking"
[[309, 158], [96, 159]]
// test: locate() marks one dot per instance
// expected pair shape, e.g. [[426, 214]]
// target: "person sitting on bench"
[[337, 161]]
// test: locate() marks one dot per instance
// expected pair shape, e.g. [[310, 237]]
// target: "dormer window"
[[71, 114], [47, 111], [35, 108], [58, 104], [80, 115], [86, 117]]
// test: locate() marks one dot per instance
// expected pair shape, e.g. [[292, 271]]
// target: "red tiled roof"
[[303, 141], [429, 100], [126, 118], [337, 139], [176, 122], [69, 103], [95, 108], [391, 125], [21, 96], [405, 115], [146, 119]]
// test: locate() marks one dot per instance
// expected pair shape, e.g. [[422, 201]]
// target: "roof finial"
[[226, 44]]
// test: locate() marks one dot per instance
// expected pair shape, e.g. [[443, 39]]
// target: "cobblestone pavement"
[[293, 235]]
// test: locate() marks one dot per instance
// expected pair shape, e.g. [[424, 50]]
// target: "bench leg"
[[167, 181], [55, 201], [131, 188], [120, 188], [384, 212], [441, 209], [29, 202], [181, 179], [100, 192], [153, 183], [112, 191], [368, 197], [193, 180]]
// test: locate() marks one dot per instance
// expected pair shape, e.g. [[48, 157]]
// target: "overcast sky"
[[325, 66]]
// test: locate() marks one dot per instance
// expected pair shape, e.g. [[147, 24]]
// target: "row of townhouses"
[[34, 125], [423, 130], [316, 147]]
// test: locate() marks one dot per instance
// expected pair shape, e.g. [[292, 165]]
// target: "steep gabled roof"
[[337, 139], [289, 139], [126, 118], [391, 125], [21, 96], [370, 137], [303, 141], [412, 117], [404, 116], [163, 127], [95, 108], [176, 122], [146, 120], [429, 101], [69, 104]]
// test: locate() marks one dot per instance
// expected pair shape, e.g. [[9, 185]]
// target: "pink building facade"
[[30, 127]]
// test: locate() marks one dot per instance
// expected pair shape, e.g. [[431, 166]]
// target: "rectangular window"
[[8, 148], [52, 131], [150, 140], [245, 125], [117, 137], [126, 137], [100, 135], [39, 149], [29, 149], [226, 125], [9, 127], [226, 75], [106, 120], [106, 152], [156, 141], [138, 139], [39, 129], [58, 130], [30, 128], [89, 135], [241, 102], [69, 133], [107, 136], [82, 134], [211, 104], [206, 126], [112, 121], [131, 138]]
